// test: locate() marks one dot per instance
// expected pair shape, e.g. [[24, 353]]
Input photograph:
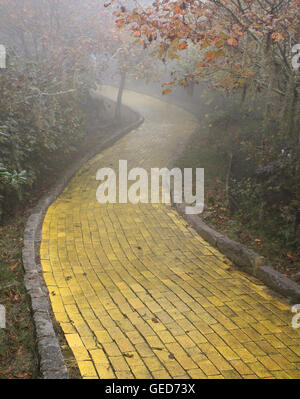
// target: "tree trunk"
[[120, 93], [227, 186]]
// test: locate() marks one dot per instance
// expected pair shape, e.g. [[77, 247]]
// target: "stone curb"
[[243, 257], [52, 364]]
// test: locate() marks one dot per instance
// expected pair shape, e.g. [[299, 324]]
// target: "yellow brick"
[[281, 375], [250, 377], [231, 341], [141, 372], [124, 375], [271, 326], [81, 354], [153, 363], [185, 361], [135, 337], [269, 363], [282, 362], [111, 349], [67, 328], [74, 341], [267, 347], [240, 336], [161, 374], [62, 317], [227, 353], [144, 350], [99, 356], [208, 368], [219, 362], [295, 374], [119, 363], [125, 345], [197, 337], [259, 370], [296, 349], [174, 368], [274, 341], [197, 374], [231, 374], [48, 277], [215, 340], [103, 337], [289, 355], [105, 372], [241, 367], [166, 337], [154, 342], [215, 301], [254, 349], [207, 348], [133, 359], [87, 369], [245, 355], [185, 341], [89, 342]]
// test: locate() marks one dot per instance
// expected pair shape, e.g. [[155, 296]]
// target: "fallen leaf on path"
[[12, 267], [128, 355]]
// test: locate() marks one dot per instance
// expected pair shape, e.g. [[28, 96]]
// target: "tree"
[[244, 46], [124, 56], [48, 76], [242, 43]]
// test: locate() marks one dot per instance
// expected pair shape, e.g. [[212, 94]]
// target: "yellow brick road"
[[139, 294]]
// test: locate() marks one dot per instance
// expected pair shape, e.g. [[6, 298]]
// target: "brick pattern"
[[139, 294]]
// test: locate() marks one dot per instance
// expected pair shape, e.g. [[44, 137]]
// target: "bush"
[[37, 126]]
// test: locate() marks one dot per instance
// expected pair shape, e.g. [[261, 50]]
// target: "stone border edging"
[[52, 364], [245, 258]]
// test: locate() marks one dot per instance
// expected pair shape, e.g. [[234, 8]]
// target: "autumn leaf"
[[232, 42], [182, 46], [166, 91], [12, 267], [129, 355]]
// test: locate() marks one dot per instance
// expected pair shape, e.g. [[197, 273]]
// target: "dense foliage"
[[48, 74]]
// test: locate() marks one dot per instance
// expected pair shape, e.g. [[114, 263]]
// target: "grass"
[[18, 352]]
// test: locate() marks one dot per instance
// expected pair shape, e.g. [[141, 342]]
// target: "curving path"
[[139, 294]]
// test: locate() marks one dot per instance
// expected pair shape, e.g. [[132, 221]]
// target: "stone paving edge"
[[246, 259], [51, 361]]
